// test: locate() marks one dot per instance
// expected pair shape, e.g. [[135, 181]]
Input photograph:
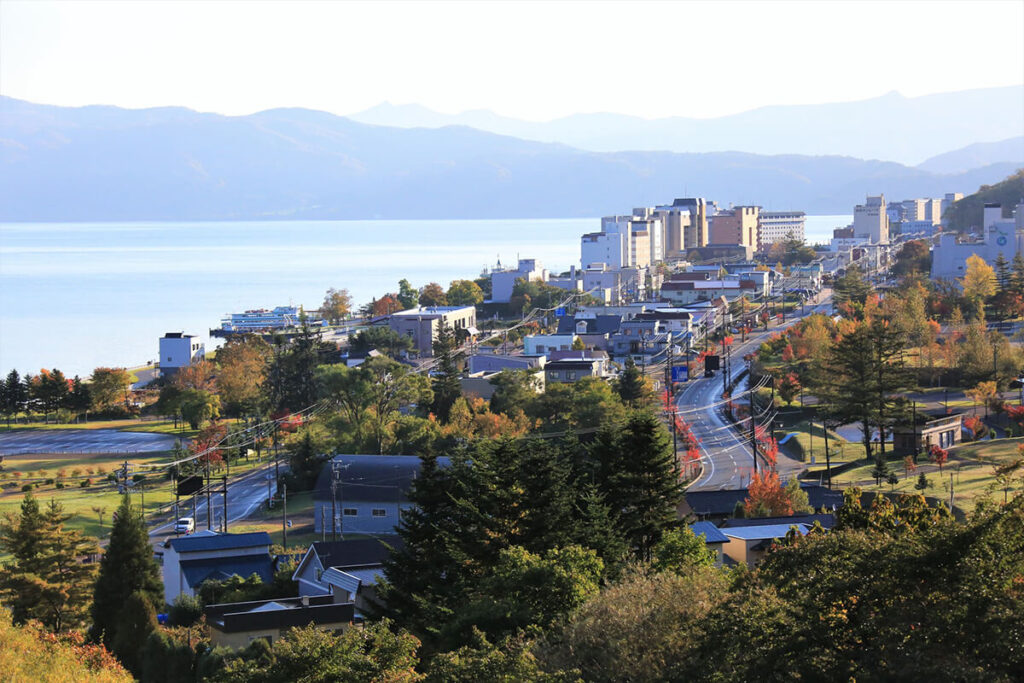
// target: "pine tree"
[[1017, 276], [135, 621], [127, 566], [632, 387], [1002, 274], [445, 383], [47, 580], [636, 474], [880, 470]]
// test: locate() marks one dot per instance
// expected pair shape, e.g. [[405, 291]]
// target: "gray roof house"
[[347, 570], [369, 493]]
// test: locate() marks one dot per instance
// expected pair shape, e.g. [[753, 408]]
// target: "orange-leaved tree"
[[766, 497]]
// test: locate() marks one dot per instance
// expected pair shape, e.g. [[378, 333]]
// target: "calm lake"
[[75, 296]]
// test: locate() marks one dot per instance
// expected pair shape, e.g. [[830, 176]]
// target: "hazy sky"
[[526, 59]]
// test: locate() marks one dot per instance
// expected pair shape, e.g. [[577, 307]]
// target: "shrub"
[[50, 481], [85, 483], [60, 484], [185, 610], [27, 487]]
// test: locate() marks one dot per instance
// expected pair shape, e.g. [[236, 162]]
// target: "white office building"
[[179, 350], [871, 220], [776, 226]]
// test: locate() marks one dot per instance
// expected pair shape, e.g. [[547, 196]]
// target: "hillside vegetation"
[[967, 213]]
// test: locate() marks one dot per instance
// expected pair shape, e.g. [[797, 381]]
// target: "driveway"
[[82, 441]]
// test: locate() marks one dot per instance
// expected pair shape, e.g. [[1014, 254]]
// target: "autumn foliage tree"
[[767, 497]]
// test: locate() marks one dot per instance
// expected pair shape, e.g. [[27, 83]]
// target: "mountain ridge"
[[107, 163]]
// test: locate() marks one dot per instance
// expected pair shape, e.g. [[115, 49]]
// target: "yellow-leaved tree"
[[979, 282]]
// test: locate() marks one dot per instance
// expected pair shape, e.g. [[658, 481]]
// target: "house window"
[[570, 374], [350, 512], [380, 512], [553, 374]]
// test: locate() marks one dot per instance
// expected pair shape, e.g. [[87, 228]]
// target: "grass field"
[[78, 501], [126, 425], [300, 514], [970, 466]]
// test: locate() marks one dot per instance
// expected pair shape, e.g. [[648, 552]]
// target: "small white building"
[[543, 344], [179, 350], [208, 555], [503, 280]]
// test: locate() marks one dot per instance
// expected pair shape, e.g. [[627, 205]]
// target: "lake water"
[[75, 296]]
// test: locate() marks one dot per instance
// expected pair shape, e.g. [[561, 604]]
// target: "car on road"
[[185, 525]]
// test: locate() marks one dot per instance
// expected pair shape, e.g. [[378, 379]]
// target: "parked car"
[[185, 525]]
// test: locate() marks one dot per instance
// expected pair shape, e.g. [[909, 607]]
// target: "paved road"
[[245, 495], [726, 456], [82, 441]]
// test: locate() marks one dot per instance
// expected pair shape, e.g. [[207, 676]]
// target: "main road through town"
[[726, 457]]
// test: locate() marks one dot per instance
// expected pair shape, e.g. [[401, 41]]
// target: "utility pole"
[[209, 507], [828, 460], [917, 447], [225, 493], [753, 434], [284, 516]]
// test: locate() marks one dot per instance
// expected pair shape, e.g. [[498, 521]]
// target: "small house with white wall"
[[179, 350], [208, 555]]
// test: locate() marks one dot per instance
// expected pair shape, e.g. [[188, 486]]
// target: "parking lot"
[[82, 441]]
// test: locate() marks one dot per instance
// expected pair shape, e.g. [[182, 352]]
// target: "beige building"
[[421, 324], [748, 544], [235, 625], [738, 226], [871, 221]]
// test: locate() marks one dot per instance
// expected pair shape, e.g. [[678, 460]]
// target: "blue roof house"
[[190, 560], [713, 538], [748, 544]]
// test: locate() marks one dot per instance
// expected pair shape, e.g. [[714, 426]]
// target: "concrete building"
[[776, 226], [695, 233], [179, 350], [609, 249], [737, 226], [421, 324], [503, 280], [208, 555], [942, 431], [676, 221], [615, 286], [870, 220], [364, 494], [947, 201], [999, 236], [655, 229], [544, 344], [683, 293]]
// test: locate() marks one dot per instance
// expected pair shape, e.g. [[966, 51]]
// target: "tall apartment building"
[[609, 248], [871, 221], [738, 226], [637, 236], [947, 201], [696, 233], [675, 221], [655, 229], [776, 226]]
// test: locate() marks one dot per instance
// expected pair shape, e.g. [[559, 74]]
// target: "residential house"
[[748, 544], [422, 324], [544, 344], [346, 570], [713, 538], [235, 625], [681, 293], [712, 505], [567, 367], [364, 494], [595, 331], [190, 560]]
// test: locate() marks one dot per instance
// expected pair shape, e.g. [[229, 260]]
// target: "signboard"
[[712, 363], [680, 373], [189, 485]]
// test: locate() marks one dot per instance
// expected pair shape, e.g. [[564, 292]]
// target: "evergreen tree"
[[852, 288], [636, 474], [135, 622], [633, 388], [291, 378], [127, 567], [445, 382], [80, 398], [47, 580], [408, 295], [1017, 275], [880, 470], [1002, 274]]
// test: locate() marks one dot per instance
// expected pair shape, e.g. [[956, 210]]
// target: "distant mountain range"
[[106, 163], [891, 127]]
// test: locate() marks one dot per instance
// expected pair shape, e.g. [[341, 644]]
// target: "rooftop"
[[709, 531], [371, 478], [762, 532], [211, 540]]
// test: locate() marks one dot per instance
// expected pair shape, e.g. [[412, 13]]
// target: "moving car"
[[185, 525]]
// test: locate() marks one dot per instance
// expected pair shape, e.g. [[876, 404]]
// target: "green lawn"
[[300, 513], [971, 466], [126, 425]]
